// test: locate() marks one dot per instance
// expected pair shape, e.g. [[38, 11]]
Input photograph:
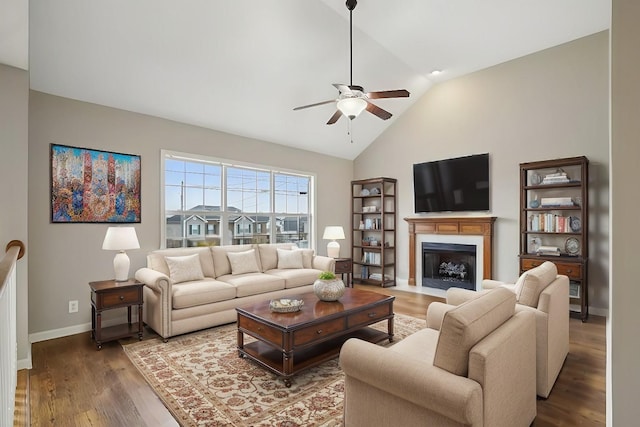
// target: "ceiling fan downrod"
[[351, 4]]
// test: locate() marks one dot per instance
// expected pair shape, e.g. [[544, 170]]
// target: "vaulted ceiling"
[[242, 66]]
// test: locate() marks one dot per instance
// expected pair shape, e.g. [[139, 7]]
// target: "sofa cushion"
[[289, 259], [243, 262], [296, 277], [220, 259], [269, 255], [184, 268], [465, 325], [307, 257], [156, 261], [532, 282], [190, 294], [253, 283]]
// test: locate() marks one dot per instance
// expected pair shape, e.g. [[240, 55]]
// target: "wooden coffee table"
[[287, 343]]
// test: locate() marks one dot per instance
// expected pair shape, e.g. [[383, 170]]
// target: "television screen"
[[452, 185]]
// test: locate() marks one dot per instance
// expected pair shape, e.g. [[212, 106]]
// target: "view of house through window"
[[211, 202]]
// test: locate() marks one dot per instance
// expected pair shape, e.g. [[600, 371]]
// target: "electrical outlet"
[[73, 306]]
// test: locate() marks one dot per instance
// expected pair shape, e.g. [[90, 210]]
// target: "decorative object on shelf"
[[375, 191], [285, 305], [94, 186], [536, 242], [575, 224], [534, 203], [536, 179], [364, 192], [549, 250], [333, 233], [328, 287], [121, 239], [572, 246]]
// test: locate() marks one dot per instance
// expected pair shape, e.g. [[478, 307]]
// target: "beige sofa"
[[474, 365], [545, 293], [187, 289]]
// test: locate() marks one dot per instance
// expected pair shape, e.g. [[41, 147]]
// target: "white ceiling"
[[241, 66]]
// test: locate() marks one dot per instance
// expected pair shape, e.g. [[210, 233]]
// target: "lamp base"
[[121, 266], [333, 249]]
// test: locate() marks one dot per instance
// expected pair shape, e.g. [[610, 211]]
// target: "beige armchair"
[[478, 369], [546, 294]]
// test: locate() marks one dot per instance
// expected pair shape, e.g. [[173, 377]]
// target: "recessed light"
[[436, 72]]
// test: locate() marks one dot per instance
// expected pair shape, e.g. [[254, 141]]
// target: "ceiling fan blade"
[[375, 110], [314, 105], [399, 93], [343, 88], [335, 117]]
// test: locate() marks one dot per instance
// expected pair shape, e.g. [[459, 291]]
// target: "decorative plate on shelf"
[[536, 179], [575, 224], [572, 246], [364, 192], [285, 305]]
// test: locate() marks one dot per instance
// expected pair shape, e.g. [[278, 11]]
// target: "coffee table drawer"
[[260, 330], [369, 316], [316, 332]]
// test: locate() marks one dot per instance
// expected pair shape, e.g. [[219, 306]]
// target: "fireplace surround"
[[454, 226]]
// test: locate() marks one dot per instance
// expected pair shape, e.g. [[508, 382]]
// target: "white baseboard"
[[25, 363], [70, 330]]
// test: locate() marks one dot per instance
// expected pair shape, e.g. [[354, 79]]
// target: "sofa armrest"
[[324, 263], [435, 314], [157, 300], [456, 296], [452, 396], [492, 284]]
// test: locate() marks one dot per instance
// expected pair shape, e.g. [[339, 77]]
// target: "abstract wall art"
[[94, 186]]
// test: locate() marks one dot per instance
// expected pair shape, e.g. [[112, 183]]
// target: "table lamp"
[[121, 239], [333, 233]]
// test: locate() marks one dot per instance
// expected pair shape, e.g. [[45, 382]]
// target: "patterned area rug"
[[203, 382]]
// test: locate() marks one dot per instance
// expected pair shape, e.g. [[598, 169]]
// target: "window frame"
[[224, 215]]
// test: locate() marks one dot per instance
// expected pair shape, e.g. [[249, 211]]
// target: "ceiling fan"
[[352, 99]]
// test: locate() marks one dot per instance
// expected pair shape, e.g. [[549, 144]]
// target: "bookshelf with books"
[[373, 231], [554, 225]]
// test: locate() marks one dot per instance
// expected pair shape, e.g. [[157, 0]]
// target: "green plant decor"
[[327, 275]]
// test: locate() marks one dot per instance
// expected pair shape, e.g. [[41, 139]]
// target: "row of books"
[[548, 222], [371, 258]]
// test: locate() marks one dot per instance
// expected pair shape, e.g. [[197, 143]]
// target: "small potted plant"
[[328, 287]]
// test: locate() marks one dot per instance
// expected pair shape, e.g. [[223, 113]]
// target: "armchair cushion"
[[532, 282], [467, 324], [184, 268]]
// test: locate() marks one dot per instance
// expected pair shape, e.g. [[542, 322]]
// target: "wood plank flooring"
[[72, 384]]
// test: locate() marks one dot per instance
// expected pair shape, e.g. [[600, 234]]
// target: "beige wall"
[[623, 326], [67, 256], [14, 98], [550, 104]]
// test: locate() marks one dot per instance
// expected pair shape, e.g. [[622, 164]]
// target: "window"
[[213, 202]]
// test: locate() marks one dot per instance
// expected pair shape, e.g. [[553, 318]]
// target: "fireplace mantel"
[[478, 226]]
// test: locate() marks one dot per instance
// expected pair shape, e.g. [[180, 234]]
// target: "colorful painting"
[[94, 186]]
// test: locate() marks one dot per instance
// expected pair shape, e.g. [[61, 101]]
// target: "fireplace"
[[446, 265]]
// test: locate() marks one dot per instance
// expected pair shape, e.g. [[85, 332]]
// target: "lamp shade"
[[333, 232], [120, 239], [351, 107]]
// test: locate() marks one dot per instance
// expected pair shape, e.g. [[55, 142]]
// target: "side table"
[[108, 295], [345, 266]]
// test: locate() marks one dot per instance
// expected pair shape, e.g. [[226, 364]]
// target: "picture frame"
[[94, 186]]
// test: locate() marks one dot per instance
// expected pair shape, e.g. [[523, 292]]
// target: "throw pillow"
[[289, 259], [184, 268], [243, 262], [307, 257]]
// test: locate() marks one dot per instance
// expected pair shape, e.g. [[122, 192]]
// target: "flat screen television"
[[452, 185]]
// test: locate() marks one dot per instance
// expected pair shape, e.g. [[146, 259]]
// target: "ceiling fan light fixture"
[[351, 107]]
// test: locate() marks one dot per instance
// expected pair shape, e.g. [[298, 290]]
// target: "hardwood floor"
[[72, 384]]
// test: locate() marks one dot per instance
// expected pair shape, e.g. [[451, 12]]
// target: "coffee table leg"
[[390, 329], [240, 342]]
